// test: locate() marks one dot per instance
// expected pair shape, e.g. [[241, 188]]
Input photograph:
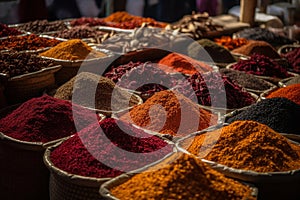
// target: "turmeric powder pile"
[[74, 49], [181, 176], [247, 145]]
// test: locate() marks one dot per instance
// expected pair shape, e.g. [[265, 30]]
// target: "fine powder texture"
[[217, 90], [262, 66], [248, 145], [74, 49], [170, 113], [208, 51], [44, 119], [90, 88], [247, 81], [103, 150], [179, 63], [181, 177], [291, 92], [280, 114], [257, 47]]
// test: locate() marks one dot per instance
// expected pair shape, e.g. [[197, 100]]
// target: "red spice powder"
[[175, 62], [44, 119], [89, 152], [291, 92]]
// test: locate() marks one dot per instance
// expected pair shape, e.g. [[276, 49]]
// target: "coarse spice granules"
[[248, 145], [105, 150], [291, 92], [44, 119], [181, 176], [261, 65], [169, 112], [280, 114], [217, 90], [95, 91], [247, 81]]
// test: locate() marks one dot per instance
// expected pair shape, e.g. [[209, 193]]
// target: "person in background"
[[227, 4], [209, 6]]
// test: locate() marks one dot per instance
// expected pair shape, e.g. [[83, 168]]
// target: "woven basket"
[[66, 186], [24, 87], [106, 187], [274, 185], [23, 173]]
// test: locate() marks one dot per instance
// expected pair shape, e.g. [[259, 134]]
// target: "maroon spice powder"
[[44, 119], [105, 150]]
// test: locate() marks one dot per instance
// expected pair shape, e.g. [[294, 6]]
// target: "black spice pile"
[[41, 26], [264, 35], [280, 114], [14, 64], [248, 81]]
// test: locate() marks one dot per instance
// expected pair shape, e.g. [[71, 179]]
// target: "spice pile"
[[175, 62], [79, 32], [89, 21], [248, 145], [215, 89], [264, 35], [147, 78], [105, 150], [182, 177], [262, 66], [74, 49], [14, 64], [197, 26], [231, 43], [170, 113], [27, 42], [280, 114], [8, 31], [247, 81], [95, 91], [293, 58], [208, 51], [291, 92], [42, 26], [44, 119], [141, 38], [257, 47], [125, 20]]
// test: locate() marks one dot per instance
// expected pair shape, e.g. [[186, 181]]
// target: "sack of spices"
[[80, 164], [178, 176], [251, 152], [24, 135]]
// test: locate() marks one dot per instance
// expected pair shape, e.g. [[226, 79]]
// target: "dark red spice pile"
[[27, 42], [215, 89], [262, 66], [76, 155], [147, 78], [293, 58], [44, 119], [89, 21], [116, 72], [7, 31]]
